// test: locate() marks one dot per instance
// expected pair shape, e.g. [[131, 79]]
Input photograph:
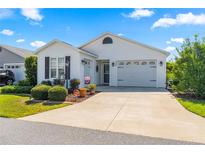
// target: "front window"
[[144, 63], [128, 63], [61, 68], [53, 67], [57, 68], [107, 40], [152, 63]]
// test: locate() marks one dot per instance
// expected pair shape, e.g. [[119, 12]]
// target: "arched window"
[[107, 40]]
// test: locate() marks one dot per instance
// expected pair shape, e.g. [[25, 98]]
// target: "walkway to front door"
[[141, 112]]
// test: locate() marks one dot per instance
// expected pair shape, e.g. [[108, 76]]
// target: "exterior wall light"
[[113, 64], [83, 61], [161, 63]]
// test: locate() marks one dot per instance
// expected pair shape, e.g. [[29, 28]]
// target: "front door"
[[106, 75]]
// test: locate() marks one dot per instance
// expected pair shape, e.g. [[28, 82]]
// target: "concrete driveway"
[[148, 112]]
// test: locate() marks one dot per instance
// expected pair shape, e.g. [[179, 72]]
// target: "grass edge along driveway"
[[193, 105], [15, 106]]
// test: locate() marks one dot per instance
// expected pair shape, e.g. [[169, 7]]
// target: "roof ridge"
[[18, 51], [126, 39], [15, 47], [61, 41]]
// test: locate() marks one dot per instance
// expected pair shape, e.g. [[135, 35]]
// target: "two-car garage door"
[[140, 73]]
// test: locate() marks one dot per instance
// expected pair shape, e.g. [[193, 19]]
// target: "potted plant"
[[83, 92], [74, 83], [92, 88], [76, 94]]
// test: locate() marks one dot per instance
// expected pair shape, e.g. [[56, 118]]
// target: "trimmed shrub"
[[57, 93], [46, 82], [23, 83], [23, 89], [8, 89], [16, 89], [58, 82], [40, 92], [74, 84], [31, 69]]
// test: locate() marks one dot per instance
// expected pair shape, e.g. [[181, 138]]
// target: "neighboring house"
[[12, 58], [107, 60]]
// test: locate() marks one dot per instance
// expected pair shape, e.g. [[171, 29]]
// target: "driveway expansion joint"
[[123, 105]]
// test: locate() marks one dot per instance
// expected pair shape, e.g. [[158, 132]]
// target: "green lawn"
[[193, 105], [15, 106]]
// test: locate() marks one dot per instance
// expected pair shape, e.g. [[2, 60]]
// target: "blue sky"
[[161, 28]]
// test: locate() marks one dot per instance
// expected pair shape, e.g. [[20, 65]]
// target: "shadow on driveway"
[[129, 89]]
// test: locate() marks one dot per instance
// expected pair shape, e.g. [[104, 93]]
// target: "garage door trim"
[[145, 80]]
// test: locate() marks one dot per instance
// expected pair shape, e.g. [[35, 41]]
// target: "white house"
[[12, 58], [107, 60]]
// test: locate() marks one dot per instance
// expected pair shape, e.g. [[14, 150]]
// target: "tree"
[[31, 69], [170, 68], [189, 70], [169, 74]]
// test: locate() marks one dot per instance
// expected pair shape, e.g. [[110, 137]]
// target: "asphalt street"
[[14, 132]]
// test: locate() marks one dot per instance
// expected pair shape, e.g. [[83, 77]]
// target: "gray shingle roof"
[[18, 51]]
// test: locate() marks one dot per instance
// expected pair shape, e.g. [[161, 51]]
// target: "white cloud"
[[164, 22], [20, 40], [37, 44], [170, 48], [5, 13], [139, 13], [7, 32], [168, 42], [181, 19], [177, 40], [32, 14], [120, 34]]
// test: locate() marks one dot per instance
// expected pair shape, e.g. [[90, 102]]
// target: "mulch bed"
[[71, 98], [184, 95]]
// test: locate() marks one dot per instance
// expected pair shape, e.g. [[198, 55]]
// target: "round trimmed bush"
[[57, 93], [8, 89], [40, 92], [23, 89]]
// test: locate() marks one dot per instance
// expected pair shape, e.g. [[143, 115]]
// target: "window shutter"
[[67, 67], [47, 67]]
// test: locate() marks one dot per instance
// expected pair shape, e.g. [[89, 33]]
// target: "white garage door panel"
[[18, 69], [137, 75]]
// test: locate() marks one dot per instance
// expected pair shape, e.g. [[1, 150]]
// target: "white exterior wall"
[[92, 67], [59, 50], [125, 50]]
